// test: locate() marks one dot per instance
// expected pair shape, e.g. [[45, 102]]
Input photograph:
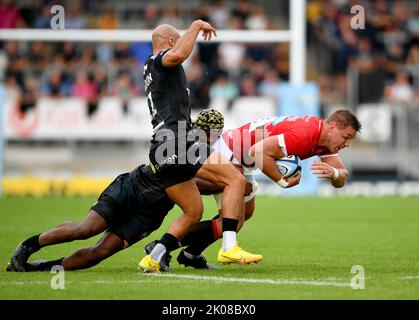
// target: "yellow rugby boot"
[[238, 255], [147, 265]]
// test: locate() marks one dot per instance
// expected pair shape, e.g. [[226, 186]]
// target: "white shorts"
[[221, 147]]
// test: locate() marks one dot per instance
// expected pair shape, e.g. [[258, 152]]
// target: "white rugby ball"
[[289, 166]]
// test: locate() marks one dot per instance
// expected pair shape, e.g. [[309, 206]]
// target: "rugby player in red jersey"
[[258, 144]]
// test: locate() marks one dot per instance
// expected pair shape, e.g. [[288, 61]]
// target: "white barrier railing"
[[67, 119]]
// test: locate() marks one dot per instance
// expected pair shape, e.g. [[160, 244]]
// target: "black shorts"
[[128, 213], [177, 167]]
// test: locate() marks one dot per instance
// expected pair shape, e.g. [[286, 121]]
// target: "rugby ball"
[[289, 166]]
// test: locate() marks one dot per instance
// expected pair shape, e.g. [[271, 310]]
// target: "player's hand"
[[207, 30], [294, 180], [322, 170]]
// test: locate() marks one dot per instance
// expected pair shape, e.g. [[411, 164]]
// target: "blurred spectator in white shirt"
[[257, 19], [231, 54], [219, 14], [400, 90]]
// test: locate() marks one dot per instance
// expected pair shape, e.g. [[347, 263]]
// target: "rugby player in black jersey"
[[126, 210], [176, 157]]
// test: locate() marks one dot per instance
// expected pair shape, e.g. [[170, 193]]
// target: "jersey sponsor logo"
[[165, 162], [147, 80]]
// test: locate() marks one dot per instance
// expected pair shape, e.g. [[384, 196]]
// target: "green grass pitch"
[[309, 247]]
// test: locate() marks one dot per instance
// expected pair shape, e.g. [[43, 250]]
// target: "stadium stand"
[[100, 84]]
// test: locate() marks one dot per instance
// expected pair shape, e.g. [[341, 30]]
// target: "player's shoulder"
[[310, 118], [155, 60], [158, 58], [304, 128], [311, 123]]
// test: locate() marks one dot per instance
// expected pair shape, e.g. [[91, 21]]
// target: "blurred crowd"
[[379, 62], [93, 70], [384, 56]]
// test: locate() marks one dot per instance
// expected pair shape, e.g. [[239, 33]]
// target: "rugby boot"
[[238, 255], [19, 258], [165, 260], [199, 263], [147, 265]]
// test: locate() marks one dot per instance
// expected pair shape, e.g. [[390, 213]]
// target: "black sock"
[[170, 242], [33, 243], [201, 237], [202, 229], [230, 224]]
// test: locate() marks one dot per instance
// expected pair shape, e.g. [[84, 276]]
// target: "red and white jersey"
[[296, 136]]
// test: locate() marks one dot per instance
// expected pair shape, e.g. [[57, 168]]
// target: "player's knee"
[[193, 209], [238, 181], [195, 212]]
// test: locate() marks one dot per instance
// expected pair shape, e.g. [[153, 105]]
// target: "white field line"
[[409, 277], [186, 278], [110, 282], [252, 280]]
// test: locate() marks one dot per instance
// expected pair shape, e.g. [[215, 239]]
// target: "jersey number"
[[150, 103]]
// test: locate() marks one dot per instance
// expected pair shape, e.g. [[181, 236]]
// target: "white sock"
[[229, 240], [157, 253]]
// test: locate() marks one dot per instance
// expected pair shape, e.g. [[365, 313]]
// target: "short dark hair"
[[344, 118]]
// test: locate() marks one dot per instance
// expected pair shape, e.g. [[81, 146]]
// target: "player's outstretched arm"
[[265, 153], [331, 168], [184, 45]]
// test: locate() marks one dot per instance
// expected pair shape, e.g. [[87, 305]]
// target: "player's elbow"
[[256, 153]]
